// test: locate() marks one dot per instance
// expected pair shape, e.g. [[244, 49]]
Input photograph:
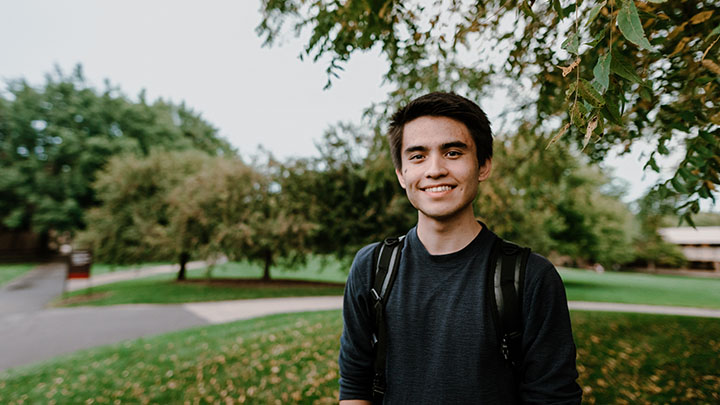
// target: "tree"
[[54, 139], [601, 74], [651, 249], [349, 192], [186, 204], [553, 201], [231, 208], [549, 200], [133, 224]]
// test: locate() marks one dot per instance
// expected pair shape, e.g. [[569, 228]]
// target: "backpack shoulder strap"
[[386, 259], [506, 276]]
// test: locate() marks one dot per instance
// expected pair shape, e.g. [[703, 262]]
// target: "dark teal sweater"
[[442, 345]]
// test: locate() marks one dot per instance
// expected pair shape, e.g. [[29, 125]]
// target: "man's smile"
[[438, 189]]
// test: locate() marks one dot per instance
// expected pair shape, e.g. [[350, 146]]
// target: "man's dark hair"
[[440, 104]]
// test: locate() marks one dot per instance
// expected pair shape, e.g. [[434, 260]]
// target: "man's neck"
[[443, 237]]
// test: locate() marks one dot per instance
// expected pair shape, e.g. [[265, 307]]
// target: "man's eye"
[[415, 157], [454, 153]]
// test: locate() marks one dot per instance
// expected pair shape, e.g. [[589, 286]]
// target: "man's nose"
[[436, 167]]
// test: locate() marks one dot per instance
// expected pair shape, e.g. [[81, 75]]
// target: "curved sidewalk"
[[30, 333], [643, 309], [30, 337]]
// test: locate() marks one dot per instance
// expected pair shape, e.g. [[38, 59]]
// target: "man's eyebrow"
[[415, 148], [456, 144]]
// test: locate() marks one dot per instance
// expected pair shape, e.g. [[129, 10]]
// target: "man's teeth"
[[438, 189]]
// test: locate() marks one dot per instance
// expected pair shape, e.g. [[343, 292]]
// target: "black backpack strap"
[[386, 259], [507, 275]]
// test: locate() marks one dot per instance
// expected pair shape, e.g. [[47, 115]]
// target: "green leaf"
[[623, 68], [526, 9], [678, 186], [589, 94], [594, 13], [696, 161], [578, 115], [695, 207], [703, 80], [704, 192], [597, 38], [629, 23], [662, 149], [688, 218], [687, 175], [709, 137], [702, 151], [611, 110], [652, 164], [657, 1], [713, 32], [646, 93], [558, 9], [572, 44], [570, 90], [602, 72]]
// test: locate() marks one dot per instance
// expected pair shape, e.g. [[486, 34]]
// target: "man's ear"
[[485, 170], [400, 178]]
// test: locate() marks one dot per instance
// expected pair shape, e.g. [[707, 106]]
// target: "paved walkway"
[[30, 333]]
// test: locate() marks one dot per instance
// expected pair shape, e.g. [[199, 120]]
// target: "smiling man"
[[440, 339]]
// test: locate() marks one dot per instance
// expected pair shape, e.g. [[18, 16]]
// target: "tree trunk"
[[268, 262], [184, 257]]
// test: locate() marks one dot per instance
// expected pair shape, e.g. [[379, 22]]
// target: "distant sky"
[[208, 55]]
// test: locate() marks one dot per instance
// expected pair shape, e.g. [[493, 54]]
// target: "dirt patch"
[[81, 298], [257, 283]]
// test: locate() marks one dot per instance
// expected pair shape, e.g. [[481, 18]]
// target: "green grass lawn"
[[102, 268], [9, 272], [163, 289], [639, 288], [292, 358], [581, 285]]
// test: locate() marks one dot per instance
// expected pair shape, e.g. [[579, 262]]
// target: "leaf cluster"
[[615, 71]]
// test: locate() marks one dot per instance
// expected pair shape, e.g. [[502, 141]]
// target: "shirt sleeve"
[[356, 352], [549, 372]]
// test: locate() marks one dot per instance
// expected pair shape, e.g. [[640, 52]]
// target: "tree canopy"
[[178, 205], [601, 75], [54, 138]]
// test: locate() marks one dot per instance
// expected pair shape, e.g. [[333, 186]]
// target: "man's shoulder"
[[541, 273], [365, 254], [360, 271], [539, 263]]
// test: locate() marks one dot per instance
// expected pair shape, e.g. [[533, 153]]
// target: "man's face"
[[440, 170]]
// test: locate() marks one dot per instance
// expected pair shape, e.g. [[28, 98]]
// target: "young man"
[[442, 343]]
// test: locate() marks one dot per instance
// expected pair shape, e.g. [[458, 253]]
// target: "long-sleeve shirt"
[[442, 342]]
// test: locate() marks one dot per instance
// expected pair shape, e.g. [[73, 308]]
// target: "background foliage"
[[53, 140], [602, 75]]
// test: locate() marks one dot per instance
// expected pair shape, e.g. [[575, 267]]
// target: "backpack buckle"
[[379, 384], [391, 241], [375, 295], [505, 348]]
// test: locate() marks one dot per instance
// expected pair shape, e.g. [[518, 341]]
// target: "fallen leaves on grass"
[[643, 359], [622, 359]]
